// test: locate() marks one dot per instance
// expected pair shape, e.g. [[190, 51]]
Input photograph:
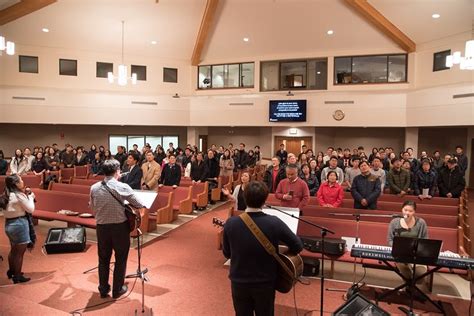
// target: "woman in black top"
[[310, 179], [96, 166], [238, 194], [39, 165], [252, 159], [91, 153], [159, 155], [3, 164]]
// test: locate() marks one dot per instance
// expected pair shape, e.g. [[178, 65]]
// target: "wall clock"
[[338, 115]]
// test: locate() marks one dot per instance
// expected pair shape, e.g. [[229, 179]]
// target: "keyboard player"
[[409, 226]]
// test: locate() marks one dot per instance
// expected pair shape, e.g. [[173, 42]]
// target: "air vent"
[[145, 102], [465, 95], [338, 102], [240, 103], [29, 98]]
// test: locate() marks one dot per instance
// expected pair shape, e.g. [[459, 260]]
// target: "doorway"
[[293, 144], [202, 143]]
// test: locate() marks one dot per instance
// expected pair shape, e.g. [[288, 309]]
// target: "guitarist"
[[253, 272], [113, 231]]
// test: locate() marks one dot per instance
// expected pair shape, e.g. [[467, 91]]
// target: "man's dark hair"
[[333, 157], [460, 147], [242, 144], [292, 166], [364, 162], [355, 158], [376, 158], [360, 148], [109, 167], [134, 155], [331, 147], [255, 194], [394, 160]]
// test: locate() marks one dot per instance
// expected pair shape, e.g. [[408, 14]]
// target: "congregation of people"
[[291, 177]]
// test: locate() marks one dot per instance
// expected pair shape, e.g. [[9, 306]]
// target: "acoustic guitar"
[[293, 262]]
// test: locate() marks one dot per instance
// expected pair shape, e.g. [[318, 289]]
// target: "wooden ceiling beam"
[[382, 23], [204, 29], [22, 8]]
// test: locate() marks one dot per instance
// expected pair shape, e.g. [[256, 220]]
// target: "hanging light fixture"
[[466, 62], [7, 46], [122, 77]]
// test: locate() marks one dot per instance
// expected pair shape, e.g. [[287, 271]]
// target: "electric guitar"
[[293, 262]]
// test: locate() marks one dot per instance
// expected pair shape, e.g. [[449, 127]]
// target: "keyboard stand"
[[408, 284]]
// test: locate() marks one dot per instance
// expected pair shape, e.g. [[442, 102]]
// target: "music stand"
[[415, 251]]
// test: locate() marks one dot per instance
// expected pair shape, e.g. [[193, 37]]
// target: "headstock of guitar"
[[218, 222]]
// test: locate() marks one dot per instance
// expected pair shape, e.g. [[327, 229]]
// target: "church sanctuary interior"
[[147, 145]]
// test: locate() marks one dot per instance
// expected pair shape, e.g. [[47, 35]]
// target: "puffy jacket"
[[366, 187], [425, 180], [451, 181], [398, 180], [268, 178]]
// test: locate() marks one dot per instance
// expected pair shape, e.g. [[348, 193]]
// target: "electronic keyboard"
[[446, 259]]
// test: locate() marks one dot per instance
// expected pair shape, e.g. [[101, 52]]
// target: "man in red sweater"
[[292, 191]]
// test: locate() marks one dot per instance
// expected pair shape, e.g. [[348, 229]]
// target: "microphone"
[[399, 216]]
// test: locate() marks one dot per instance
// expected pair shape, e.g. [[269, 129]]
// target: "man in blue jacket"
[[365, 188]]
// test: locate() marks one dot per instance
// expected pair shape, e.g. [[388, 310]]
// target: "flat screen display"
[[287, 111]]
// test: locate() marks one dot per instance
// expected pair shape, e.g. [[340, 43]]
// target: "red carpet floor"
[[187, 277]]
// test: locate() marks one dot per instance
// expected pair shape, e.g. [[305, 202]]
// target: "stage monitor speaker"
[[359, 305], [311, 267], [60, 240]]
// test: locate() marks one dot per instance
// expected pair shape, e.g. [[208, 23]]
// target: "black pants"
[[250, 298], [114, 237]]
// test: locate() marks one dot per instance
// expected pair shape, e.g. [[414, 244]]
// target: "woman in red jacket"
[[330, 193]]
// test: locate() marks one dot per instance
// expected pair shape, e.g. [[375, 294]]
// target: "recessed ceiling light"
[[246, 39], [435, 16], [154, 42], [330, 32], [45, 30]]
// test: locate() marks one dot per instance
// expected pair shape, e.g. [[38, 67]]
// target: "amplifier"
[[332, 246], [358, 305], [61, 240]]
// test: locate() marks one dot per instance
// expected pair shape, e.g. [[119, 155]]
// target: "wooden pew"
[[73, 188], [432, 220], [81, 172], [182, 199], [200, 194], [395, 198], [88, 182], [161, 211], [222, 182], [66, 174]]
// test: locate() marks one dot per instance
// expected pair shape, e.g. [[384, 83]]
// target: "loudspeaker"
[[61, 240], [359, 305], [311, 267]]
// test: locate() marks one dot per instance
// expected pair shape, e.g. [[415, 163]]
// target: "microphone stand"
[[141, 274], [324, 232]]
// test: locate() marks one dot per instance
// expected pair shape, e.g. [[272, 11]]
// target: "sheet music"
[[291, 222], [146, 197]]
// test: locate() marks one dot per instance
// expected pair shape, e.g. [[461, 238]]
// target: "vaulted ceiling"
[[273, 27]]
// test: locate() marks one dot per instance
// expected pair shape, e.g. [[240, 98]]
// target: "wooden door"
[[293, 144], [203, 143]]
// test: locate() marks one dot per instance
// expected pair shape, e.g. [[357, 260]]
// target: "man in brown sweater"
[[292, 191]]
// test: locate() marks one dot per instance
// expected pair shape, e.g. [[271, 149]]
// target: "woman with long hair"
[[17, 202], [238, 194], [19, 164], [226, 163]]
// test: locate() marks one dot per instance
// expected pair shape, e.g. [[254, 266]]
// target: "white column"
[[193, 136], [411, 139]]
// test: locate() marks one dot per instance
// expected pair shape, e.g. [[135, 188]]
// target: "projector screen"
[[287, 111]]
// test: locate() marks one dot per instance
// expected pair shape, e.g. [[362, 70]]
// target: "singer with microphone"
[[408, 225], [17, 202]]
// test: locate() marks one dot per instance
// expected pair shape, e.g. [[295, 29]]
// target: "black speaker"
[[359, 305], [311, 267], [61, 240]]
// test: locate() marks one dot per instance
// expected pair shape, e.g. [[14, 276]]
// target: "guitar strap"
[[257, 232]]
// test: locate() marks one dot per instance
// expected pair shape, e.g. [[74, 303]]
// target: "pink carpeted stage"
[[187, 278]]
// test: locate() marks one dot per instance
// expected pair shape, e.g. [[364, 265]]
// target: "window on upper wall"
[[102, 69], [439, 60], [140, 71], [128, 141], [240, 75], [370, 69], [28, 64], [68, 67], [306, 74], [170, 75]]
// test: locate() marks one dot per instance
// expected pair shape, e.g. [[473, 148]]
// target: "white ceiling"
[[275, 27]]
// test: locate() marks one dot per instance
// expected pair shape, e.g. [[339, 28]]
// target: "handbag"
[[133, 219]]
